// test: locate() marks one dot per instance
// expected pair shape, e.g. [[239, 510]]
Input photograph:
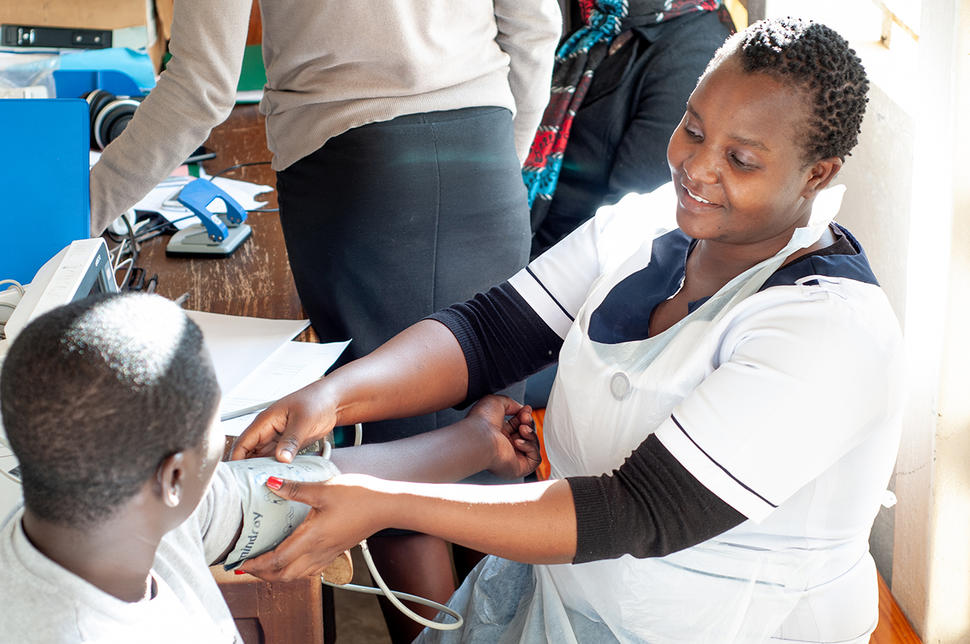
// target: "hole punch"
[[218, 235]]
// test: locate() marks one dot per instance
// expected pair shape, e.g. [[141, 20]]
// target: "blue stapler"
[[218, 235]]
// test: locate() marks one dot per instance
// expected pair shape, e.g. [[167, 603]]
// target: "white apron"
[[605, 401]]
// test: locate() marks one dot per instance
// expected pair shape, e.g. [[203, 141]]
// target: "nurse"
[[726, 411]]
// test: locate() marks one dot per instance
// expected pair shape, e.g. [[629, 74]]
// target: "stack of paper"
[[257, 362]]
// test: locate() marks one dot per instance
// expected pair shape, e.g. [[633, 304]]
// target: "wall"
[[908, 200], [931, 565], [876, 209]]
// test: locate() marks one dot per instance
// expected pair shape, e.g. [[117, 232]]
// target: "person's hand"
[[288, 425], [343, 512], [509, 426]]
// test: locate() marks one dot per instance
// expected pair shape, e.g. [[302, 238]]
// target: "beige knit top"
[[330, 67]]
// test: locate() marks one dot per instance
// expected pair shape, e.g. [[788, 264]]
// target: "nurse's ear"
[[819, 175]]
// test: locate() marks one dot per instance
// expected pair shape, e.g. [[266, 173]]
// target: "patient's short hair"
[[95, 394], [814, 57]]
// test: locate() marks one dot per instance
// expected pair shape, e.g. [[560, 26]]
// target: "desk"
[[254, 281]]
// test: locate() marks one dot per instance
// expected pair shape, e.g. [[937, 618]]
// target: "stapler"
[[218, 235]]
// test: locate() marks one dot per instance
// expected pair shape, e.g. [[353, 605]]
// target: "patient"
[[110, 404]]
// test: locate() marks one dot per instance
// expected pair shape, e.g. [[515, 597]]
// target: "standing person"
[[397, 130], [728, 404], [620, 82], [619, 86]]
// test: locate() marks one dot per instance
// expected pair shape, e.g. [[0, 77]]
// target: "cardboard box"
[[134, 23]]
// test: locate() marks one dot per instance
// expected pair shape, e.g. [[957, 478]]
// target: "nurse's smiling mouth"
[[693, 201]]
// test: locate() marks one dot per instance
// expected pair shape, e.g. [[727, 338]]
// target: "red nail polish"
[[274, 483], [239, 572]]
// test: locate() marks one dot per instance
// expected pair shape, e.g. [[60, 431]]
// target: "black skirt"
[[389, 222]]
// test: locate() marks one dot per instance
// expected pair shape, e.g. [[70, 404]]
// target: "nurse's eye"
[[740, 163], [693, 134]]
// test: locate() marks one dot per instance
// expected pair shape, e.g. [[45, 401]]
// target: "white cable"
[[117, 252], [15, 284], [370, 590], [131, 264], [393, 595]]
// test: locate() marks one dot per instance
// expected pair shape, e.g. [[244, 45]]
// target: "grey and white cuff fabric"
[[267, 518]]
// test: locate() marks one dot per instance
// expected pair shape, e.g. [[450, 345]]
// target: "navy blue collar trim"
[[843, 259], [624, 315]]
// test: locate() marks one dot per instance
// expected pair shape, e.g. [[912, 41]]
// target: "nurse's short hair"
[[95, 394], [815, 58]]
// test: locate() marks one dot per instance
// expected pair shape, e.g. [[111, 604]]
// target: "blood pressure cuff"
[[267, 518]]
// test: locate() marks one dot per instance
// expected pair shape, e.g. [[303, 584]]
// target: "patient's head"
[[815, 58], [99, 397]]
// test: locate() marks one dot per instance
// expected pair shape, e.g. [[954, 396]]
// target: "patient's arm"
[[496, 435], [232, 544]]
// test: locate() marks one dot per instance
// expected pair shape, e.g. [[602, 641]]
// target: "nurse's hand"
[[289, 424], [343, 511]]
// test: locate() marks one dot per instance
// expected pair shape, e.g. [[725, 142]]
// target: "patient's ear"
[[170, 477]]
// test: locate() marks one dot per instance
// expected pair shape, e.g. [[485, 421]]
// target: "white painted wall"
[[931, 564], [908, 201], [876, 209]]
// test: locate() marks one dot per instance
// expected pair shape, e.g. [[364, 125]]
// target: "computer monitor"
[[78, 270]]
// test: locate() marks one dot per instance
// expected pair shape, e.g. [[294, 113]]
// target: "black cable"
[[158, 227], [133, 239], [244, 165], [116, 238], [236, 167]]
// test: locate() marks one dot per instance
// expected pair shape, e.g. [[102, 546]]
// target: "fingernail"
[[274, 483], [239, 572], [287, 454]]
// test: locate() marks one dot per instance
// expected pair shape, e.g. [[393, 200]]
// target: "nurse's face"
[[736, 162]]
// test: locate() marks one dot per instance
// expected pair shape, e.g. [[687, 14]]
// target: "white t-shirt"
[[42, 602]]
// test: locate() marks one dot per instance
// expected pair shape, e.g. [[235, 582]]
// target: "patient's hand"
[[509, 424]]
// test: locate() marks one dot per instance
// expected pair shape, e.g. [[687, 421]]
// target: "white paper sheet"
[[163, 198], [238, 345], [292, 366]]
